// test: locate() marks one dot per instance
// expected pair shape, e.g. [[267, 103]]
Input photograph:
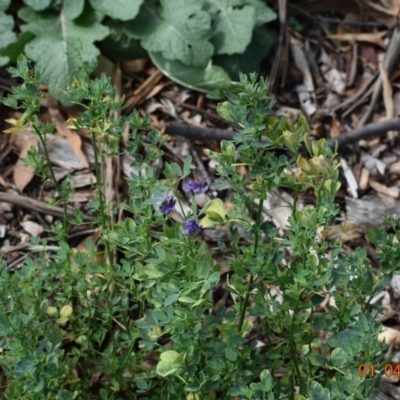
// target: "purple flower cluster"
[[168, 204], [190, 226], [195, 187]]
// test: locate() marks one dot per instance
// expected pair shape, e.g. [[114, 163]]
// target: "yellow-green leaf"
[[52, 312], [66, 311]]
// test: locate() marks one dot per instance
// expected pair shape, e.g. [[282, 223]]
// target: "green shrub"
[[133, 316]]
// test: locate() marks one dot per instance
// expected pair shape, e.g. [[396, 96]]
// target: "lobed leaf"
[[233, 26], [179, 29], [60, 46], [118, 9]]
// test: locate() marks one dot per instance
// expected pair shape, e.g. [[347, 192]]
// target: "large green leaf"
[[7, 36], [118, 9], [233, 25], [264, 14], [38, 5], [205, 79], [4, 4], [248, 61], [119, 45], [73, 9], [179, 29], [60, 46]]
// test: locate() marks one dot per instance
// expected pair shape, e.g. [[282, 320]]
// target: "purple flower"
[[168, 204], [190, 226], [195, 187]]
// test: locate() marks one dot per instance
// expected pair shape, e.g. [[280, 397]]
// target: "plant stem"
[[100, 188], [293, 347], [53, 177], [251, 280]]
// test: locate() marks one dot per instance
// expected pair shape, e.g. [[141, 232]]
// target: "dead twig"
[[376, 129], [32, 204], [392, 58], [282, 41], [203, 134]]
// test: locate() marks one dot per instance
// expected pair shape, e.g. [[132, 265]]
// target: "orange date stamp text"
[[369, 370]]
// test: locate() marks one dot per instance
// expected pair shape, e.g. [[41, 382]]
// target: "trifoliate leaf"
[[38, 5], [180, 30], [205, 79], [73, 9], [118, 9], [60, 47], [233, 26]]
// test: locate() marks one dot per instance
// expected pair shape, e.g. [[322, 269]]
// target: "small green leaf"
[[317, 392], [208, 222], [165, 368], [171, 299], [186, 165], [339, 357], [169, 356], [215, 209], [25, 366], [231, 354], [52, 312], [266, 380], [66, 311], [176, 169], [186, 299]]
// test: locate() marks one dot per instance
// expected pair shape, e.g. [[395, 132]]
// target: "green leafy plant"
[[136, 315], [202, 44]]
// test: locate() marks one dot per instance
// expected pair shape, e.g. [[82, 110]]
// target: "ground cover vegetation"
[[133, 315]]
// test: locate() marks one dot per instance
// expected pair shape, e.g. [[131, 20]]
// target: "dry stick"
[[277, 66], [376, 129], [193, 132], [197, 133], [32, 204], [392, 58]]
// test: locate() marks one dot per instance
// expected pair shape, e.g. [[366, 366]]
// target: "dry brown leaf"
[[143, 90], [388, 191], [364, 178], [138, 65], [389, 336], [391, 9], [387, 95], [375, 38], [73, 138], [23, 174], [33, 228]]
